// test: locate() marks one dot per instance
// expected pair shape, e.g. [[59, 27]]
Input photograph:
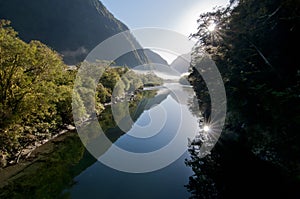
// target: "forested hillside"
[[36, 90], [71, 27], [254, 44]]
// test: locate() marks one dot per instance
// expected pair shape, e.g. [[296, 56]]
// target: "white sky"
[[177, 15]]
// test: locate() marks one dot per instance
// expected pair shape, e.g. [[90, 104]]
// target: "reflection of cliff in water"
[[148, 103]]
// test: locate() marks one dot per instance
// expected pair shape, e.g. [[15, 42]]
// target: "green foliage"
[[110, 78], [115, 84], [151, 79], [103, 95], [34, 97], [253, 46], [36, 91], [134, 80]]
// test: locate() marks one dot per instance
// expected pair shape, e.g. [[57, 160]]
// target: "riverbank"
[[41, 151], [38, 154], [26, 151]]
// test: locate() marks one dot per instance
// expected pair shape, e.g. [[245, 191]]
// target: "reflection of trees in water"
[[126, 112], [232, 171], [193, 106], [51, 173], [201, 184]]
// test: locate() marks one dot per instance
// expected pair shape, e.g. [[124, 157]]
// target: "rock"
[[71, 127], [3, 161]]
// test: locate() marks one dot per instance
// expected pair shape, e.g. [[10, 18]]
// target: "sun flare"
[[206, 128], [212, 27]]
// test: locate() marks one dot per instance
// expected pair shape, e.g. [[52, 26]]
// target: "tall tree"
[[252, 43], [33, 84]]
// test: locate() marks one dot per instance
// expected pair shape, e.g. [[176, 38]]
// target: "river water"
[[65, 169], [158, 120]]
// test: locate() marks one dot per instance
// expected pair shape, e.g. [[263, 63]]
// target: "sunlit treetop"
[[212, 26]]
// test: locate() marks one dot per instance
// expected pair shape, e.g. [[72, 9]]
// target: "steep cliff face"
[[71, 27]]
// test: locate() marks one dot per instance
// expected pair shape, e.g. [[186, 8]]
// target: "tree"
[[34, 97], [252, 45]]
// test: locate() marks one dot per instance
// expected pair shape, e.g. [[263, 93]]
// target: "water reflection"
[[231, 170], [72, 172], [51, 172], [104, 182]]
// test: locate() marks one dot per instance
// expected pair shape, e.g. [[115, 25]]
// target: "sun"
[[206, 128], [212, 27]]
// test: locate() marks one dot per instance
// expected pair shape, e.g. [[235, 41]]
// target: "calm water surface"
[[100, 181]]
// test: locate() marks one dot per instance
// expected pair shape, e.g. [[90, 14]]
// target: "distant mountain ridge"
[[155, 58], [71, 27], [181, 64]]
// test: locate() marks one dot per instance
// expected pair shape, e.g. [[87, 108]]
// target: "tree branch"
[[273, 13], [260, 53]]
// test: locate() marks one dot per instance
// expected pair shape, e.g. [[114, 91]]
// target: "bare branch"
[[260, 53], [273, 13]]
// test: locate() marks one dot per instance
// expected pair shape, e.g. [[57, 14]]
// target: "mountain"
[[71, 27], [155, 58], [181, 64]]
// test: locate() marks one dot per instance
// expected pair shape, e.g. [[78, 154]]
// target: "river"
[[101, 181], [162, 116]]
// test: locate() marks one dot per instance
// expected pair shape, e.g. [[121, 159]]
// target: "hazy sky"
[[177, 15]]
